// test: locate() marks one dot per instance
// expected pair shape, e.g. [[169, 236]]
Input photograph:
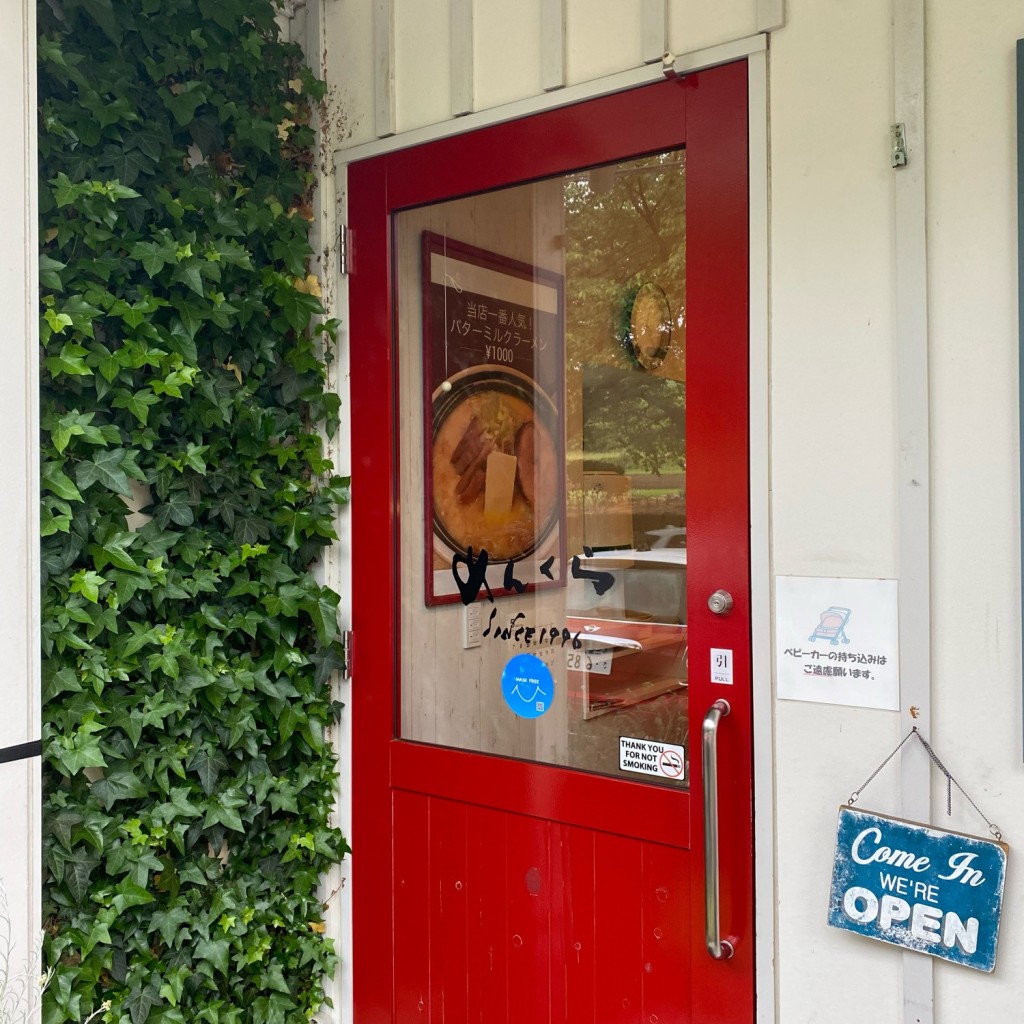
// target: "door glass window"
[[542, 404]]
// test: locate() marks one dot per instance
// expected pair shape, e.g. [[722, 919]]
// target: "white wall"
[[833, 457], [834, 454], [20, 795], [834, 445], [972, 219]]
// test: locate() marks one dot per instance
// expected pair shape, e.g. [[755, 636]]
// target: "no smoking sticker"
[[649, 757]]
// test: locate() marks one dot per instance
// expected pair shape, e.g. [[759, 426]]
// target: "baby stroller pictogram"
[[832, 626]]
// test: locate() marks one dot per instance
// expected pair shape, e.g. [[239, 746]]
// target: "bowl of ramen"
[[494, 466]]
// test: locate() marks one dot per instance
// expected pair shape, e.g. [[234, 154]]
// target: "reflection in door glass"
[[541, 332]]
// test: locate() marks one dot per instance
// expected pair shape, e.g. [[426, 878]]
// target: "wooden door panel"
[[576, 847], [412, 911], [488, 881], [665, 905], [506, 917], [532, 948], [619, 973], [543, 791], [450, 929]]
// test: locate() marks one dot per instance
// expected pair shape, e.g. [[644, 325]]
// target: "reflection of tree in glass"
[[625, 225], [639, 417]]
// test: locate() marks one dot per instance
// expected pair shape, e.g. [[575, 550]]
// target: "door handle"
[[719, 948]]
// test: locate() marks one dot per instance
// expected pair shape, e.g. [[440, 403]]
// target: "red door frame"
[[708, 113]]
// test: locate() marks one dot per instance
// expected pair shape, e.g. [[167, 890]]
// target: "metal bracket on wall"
[[344, 251], [898, 155], [346, 646]]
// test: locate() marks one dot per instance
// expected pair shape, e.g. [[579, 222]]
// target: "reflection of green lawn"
[[657, 492], [615, 459]]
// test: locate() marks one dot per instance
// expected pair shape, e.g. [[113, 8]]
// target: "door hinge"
[[898, 155], [345, 251], [346, 646]]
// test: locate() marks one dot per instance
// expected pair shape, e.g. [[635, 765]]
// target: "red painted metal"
[[374, 565], [718, 518], [581, 896]]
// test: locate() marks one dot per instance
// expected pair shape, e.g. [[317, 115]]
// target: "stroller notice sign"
[[837, 640]]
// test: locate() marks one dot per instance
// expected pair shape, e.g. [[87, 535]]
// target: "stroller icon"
[[832, 626]]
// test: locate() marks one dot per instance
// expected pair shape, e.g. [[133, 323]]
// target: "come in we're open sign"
[[919, 887]]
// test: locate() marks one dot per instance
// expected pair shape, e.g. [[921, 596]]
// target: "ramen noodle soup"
[[486, 422]]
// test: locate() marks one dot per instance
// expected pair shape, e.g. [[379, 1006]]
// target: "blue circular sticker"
[[527, 685]]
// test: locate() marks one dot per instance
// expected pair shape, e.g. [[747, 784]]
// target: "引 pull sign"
[[918, 887]]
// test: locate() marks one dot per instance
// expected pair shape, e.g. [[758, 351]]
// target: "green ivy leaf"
[[179, 350], [138, 403], [49, 272], [76, 876], [176, 509], [87, 583], [114, 551], [63, 826], [169, 924], [127, 164], [128, 894], [189, 275], [71, 358], [208, 764], [329, 660], [183, 105], [53, 478], [105, 468], [102, 11], [61, 681], [216, 952], [324, 613], [141, 1000], [121, 784]]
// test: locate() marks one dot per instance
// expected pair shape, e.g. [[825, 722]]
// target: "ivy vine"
[[189, 780]]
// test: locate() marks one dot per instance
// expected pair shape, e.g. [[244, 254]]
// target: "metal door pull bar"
[[719, 948]]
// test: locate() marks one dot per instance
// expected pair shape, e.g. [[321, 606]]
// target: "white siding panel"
[[827, 976], [20, 791], [423, 54], [833, 367], [384, 67], [693, 24], [350, 75], [604, 37], [462, 48], [833, 458], [508, 51], [654, 30], [976, 700]]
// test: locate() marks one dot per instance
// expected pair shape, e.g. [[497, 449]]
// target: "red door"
[[550, 481]]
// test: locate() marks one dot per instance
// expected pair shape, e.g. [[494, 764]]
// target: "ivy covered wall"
[[187, 657]]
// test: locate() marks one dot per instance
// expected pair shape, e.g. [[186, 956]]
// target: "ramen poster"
[[492, 333]]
